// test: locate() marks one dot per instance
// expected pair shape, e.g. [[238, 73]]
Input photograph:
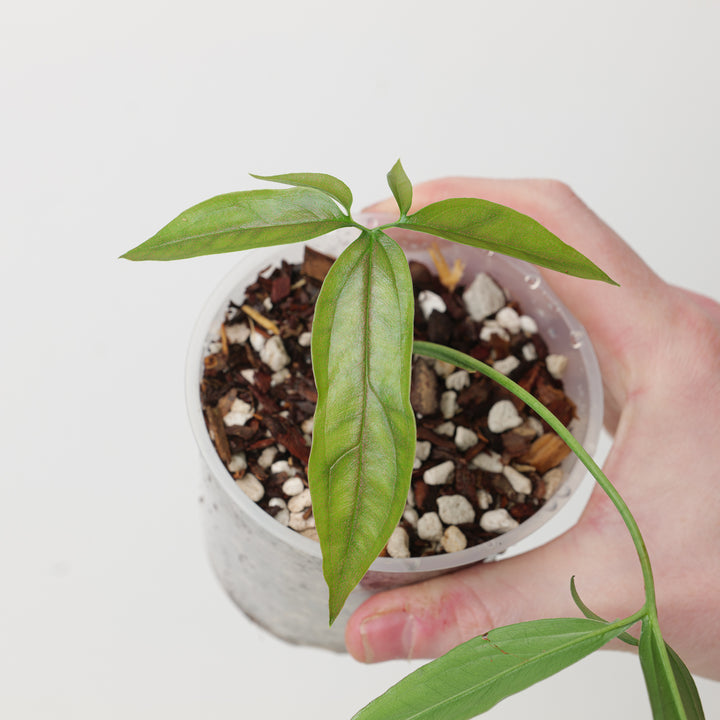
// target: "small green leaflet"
[[484, 224], [401, 187], [328, 184], [364, 434], [480, 673], [241, 221]]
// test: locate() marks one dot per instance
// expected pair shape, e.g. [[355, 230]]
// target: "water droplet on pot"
[[533, 281]]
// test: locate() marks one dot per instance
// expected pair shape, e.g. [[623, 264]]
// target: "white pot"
[[273, 573]]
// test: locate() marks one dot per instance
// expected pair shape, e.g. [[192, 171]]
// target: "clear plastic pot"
[[274, 574]]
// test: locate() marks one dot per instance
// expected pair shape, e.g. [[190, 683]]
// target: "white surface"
[[117, 117]]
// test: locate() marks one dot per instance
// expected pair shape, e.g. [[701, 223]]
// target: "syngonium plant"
[[363, 442]]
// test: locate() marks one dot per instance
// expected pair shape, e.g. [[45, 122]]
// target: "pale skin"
[[659, 353]]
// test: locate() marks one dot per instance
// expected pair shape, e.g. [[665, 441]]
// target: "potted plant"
[[363, 446]]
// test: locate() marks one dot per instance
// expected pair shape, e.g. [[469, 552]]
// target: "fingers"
[[621, 321], [430, 618]]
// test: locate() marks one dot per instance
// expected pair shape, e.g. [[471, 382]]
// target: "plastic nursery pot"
[[273, 574]]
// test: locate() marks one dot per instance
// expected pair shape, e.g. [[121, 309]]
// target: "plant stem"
[[648, 613], [461, 360]]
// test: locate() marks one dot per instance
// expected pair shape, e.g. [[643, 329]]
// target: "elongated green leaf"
[[672, 691], [243, 220], [401, 187], [330, 185], [364, 433], [481, 672], [686, 686], [484, 224]]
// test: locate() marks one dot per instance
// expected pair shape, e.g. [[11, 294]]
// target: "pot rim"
[[250, 264]]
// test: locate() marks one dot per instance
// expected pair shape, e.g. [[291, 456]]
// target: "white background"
[[113, 119]]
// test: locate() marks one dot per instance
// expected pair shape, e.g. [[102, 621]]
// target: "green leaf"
[[672, 691], [686, 686], [243, 220], [364, 433], [484, 224], [401, 187], [328, 184], [481, 672]]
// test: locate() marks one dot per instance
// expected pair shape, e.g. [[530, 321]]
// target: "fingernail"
[[388, 635]]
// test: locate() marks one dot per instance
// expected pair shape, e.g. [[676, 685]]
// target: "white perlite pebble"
[[311, 533], [506, 365], [240, 413], [422, 452], [214, 347], [535, 424], [490, 328], [499, 521], [399, 544], [443, 369], [509, 319], [528, 325], [503, 416], [237, 463], [293, 486], [483, 297], [251, 486], [430, 301], [237, 334], [283, 514], [283, 466], [299, 522], [458, 380], [249, 375], [267, 457], [553, 480], [279, 377], [273, 354], [410, 515], [529, 352], [465, 438], [447, 429], [453, 540], [556, 365], [300, 502], [267, 304], [430, 526], [305, 339], [455, 509], [440, 474], [257, 340], [520, 483], [484, 499], [410, 497], [488, 461], [448, 404], [308, 425]]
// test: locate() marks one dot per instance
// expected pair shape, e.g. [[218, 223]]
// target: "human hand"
[[659, 352]]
